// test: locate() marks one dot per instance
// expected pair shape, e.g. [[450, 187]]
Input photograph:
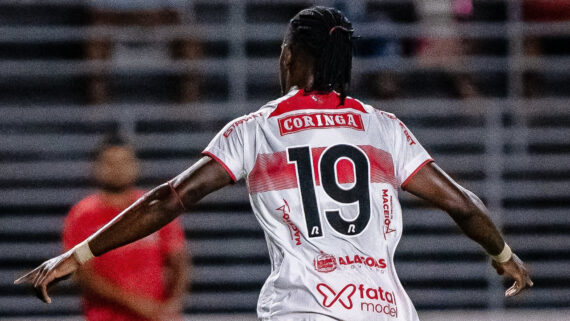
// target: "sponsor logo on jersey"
[[361, 297], [324, 263], [388, 212], [407, 134], [389, 115], [293, 229], [343, 297], [295, 123], [359, 261], [239, 122], [327, 262]]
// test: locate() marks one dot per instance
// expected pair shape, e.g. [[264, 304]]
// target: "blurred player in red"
[[145, 280], [323, 173]]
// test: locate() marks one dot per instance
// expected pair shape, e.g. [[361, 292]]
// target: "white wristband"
[[504, 256], [82, 252]]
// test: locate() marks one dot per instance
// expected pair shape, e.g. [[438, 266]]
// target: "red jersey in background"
[[137, 267]]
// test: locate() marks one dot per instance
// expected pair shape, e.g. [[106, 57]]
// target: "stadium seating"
[[512, 151]]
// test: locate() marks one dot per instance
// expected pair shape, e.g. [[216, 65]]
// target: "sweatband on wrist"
[[82, 252], [504, 256]]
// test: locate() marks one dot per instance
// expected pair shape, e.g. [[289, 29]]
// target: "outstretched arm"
[[147, 215], [468, 211]]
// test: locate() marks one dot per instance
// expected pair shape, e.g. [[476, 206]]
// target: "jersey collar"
[[314, 100]]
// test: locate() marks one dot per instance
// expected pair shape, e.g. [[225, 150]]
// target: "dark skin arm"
[[161, 205], [431, 183], [147, 215]]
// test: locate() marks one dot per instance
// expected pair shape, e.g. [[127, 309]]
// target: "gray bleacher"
[[512, 151]]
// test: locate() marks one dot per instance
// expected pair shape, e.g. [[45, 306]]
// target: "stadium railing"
[[511, 151]]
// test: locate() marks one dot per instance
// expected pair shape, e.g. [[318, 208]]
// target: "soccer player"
[[323, 172], [145, 280]]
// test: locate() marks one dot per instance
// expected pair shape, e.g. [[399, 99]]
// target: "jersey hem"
[[427, 161], [207, 153]]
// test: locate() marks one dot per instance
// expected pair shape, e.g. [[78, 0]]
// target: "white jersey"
[[323, 183]]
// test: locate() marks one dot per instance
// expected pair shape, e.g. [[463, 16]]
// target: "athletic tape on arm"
[[82, 252], [504, 256]]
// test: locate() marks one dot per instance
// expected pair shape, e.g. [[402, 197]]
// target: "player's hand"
[[49, 273], [516, 269]]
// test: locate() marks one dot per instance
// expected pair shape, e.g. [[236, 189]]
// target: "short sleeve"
[[227, 148], [409, 154], [172, 237]]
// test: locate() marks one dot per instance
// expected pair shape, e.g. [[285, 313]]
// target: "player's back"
[[323, 181]]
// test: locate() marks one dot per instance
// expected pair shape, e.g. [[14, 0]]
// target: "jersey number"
[[359, 192]]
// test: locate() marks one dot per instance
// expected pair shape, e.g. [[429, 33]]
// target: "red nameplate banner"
[[295, 123]]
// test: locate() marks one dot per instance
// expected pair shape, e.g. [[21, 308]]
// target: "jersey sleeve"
[[409, 155], [227, 148]]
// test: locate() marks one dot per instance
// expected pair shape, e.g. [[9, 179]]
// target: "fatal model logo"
[[343, 296], [372, 299]]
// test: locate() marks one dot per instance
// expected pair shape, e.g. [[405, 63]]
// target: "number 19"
[[359, 192]]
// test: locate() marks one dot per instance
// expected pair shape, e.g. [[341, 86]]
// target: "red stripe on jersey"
[[381, 165], [271, 172], [315, 100]]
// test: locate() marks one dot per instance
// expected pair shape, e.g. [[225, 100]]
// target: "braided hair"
[[326, 35]]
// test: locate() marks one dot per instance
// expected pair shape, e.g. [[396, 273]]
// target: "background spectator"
[[143, 281]]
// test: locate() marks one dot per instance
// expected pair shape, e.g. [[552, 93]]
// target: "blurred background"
[[483, 84]]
